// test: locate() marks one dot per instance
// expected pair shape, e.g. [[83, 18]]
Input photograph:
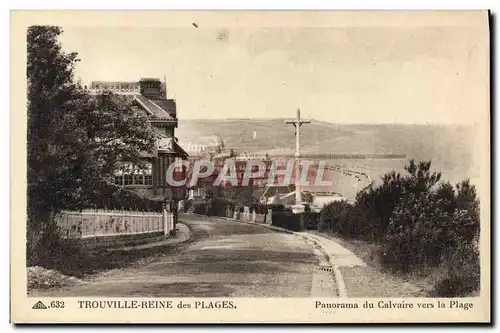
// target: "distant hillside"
[[450, 148]]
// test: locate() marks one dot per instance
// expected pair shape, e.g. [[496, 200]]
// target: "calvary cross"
[[297, 123]]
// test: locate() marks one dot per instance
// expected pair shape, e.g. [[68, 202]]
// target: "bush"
[[369, 218], [460, 273], [53, 251], [214, 207], [200, 208], [217, 207], [111, 196], [295, 222], [276, 207], [309, 220], [187, 205], [258, 208], [438, 229], [426, 225], [334, 217], [286, 219], [413, 236], [422, 226]]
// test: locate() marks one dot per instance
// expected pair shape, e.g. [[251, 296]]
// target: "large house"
[[149, 95]]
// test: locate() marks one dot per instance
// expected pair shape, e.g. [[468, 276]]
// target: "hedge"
[[286, 219], [110, 196], [258, 208], [309, 220]]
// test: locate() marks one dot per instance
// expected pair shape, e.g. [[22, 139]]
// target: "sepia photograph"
[[224, 157]]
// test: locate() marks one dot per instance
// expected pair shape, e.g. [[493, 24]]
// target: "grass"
[[83, 262], [423, 278], [417, 284]]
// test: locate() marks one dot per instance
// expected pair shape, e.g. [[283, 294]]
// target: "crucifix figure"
[[297, 123]]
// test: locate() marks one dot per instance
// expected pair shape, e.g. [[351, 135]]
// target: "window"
[[139, 180], [128, 179], [178, 164], [119, 180], [148, 180]]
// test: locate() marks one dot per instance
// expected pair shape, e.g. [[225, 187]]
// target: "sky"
[[350, 74]]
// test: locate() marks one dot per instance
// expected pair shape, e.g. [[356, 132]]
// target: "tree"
[[334, 218], [421, 178], [75, 140], [374, 207], [308, 197], [106, 132], [427, 225], [239, 195], [50, 86]]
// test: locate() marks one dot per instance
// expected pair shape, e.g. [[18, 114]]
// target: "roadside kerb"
[[342, 291]]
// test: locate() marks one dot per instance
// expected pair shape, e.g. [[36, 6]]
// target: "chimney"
[[165, 86], [151, 88]]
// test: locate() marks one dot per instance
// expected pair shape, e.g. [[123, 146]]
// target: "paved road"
[[227, 258]]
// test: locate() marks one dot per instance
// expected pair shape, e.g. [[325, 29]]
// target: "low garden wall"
[[111, 227]]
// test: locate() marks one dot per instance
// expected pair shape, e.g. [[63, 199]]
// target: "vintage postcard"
[[250, 167]]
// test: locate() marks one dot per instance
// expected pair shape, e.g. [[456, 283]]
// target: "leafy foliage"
[[369, 217], [286, 219], [220, 199], [75, 141], [427, 225], [309, 220], [422, 224], [308, 197], [334, 216], [459, 272]]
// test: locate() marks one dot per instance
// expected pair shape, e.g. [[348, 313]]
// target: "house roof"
[[167, 105], [272, 190], [149, 79], [158, 109], [110, 83], [169, 145], [179, 150]]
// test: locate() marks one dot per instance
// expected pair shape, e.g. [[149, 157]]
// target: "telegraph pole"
[[297, 123]]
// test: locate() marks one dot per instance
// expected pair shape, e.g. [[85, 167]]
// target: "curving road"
[[225, 258]]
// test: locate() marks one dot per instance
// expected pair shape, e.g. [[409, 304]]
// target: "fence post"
[[158, 221], [94, 222], [97, 222], [122, 215], [165, 221], [134, 222]]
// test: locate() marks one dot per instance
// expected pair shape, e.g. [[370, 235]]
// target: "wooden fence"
[[91, 223]]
